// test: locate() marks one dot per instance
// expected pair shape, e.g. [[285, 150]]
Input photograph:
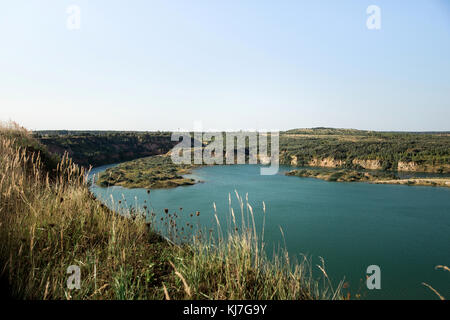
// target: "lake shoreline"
[[309, 210], [374, 177], [158, 172], [155, 172]]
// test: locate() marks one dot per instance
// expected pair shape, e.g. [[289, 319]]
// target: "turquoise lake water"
[[405, 230]]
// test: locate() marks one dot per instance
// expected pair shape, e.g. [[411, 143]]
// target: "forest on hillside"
[[98, 148], [389, 148], [428, 151]]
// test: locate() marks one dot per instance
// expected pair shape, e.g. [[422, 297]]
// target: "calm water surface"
[[403, 229]]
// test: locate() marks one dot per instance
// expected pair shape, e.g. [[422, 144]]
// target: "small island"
[[156, 172]]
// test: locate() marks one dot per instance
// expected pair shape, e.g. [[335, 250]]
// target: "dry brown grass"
[[50, 221], [48, 224]]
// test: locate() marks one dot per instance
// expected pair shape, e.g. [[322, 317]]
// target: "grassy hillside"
[[105, 147], [50, 222], [33, 147]]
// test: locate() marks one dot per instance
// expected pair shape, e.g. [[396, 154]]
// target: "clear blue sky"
[[231, 64]]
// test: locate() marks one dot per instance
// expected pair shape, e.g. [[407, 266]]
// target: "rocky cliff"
[[326, 163], [410, 166]]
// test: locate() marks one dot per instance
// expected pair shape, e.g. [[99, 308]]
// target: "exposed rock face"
[[368, 164], [294, 160], [326, 163], [407, 166], [373, 165], [415, 167], [264, 159]]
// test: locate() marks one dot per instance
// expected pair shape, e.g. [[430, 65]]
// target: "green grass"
[[155, 172]]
